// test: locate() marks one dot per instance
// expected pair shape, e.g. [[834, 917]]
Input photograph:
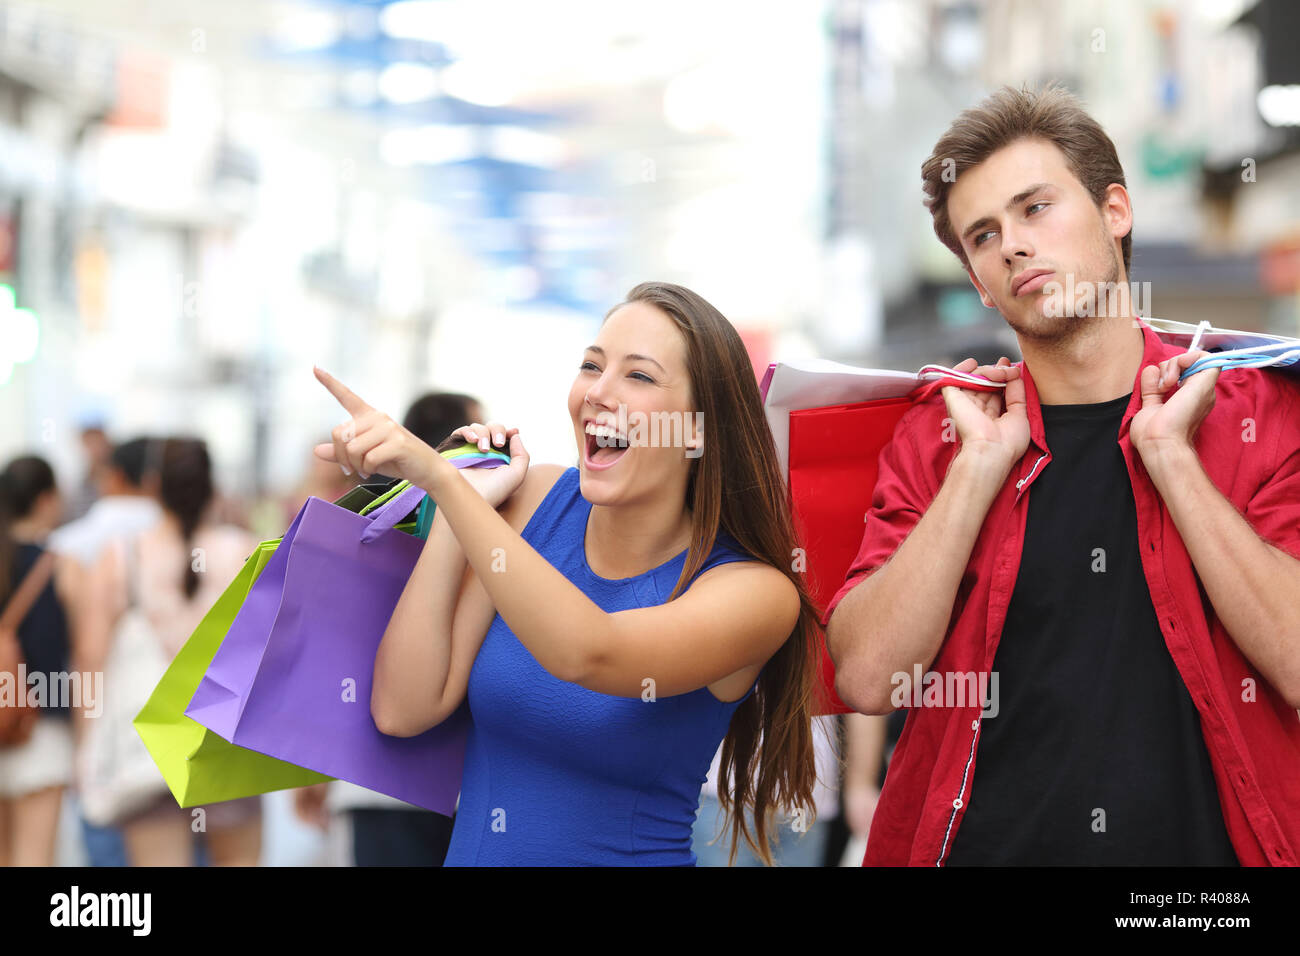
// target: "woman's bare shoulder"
[[539, 481]]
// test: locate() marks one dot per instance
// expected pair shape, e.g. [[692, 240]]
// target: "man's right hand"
[[992, 426]]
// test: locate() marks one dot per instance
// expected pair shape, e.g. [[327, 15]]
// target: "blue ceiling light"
[[448, 109], [377, 51]]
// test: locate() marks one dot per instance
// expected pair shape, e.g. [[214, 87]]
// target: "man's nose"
[[1015, 244]]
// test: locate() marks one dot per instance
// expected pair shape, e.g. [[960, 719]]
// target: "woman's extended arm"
[[423, 663], [733, 617]]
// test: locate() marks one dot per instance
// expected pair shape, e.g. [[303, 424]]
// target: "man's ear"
[[1117, 211], [984, 296]]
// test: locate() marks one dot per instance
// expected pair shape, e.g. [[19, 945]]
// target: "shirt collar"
[[1154, 351]]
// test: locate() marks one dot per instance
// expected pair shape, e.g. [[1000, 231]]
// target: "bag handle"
[[952, 377], [387, 515]]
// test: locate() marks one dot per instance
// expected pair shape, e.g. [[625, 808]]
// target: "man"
[[127, 504], [1120, 550], [97, 450]]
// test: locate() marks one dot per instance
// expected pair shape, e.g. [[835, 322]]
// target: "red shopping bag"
[[830, 495], [830, 449]]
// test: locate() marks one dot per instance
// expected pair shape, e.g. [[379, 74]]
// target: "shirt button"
[[956, 804]]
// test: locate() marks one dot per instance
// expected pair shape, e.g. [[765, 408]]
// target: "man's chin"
[[1042, 321]]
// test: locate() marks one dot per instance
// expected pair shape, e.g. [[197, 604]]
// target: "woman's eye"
[[587, 365], [643, 377]]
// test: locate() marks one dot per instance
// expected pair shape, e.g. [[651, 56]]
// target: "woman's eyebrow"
[[630, 355]]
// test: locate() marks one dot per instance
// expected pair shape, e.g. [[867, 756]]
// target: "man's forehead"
[[986, 188]]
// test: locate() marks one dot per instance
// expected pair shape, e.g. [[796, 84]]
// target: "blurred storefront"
[[201, 203]]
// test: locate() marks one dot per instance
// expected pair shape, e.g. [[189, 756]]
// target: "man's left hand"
[[1163, 429]]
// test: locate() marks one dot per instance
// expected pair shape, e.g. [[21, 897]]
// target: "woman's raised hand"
[[495, 484], [372, 442]]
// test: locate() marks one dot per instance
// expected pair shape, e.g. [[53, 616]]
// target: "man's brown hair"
[[1052, 114]]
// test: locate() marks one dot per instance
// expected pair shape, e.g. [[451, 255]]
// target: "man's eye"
[[1034, 206], [980, 238]]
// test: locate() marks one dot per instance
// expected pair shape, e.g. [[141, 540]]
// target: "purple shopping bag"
[[292, 679]]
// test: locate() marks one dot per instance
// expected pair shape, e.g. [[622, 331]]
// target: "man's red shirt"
[[1249, 445]]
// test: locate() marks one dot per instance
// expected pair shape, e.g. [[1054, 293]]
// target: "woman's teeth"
[[607, 437], [604, 444]]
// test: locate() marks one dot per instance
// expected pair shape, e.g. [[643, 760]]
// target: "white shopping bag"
[[816, 383]]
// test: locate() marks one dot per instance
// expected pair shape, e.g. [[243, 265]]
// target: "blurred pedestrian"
[[97, 451], [127, 504], [176, 570], [36, 768], [866, 758], [801, 842]]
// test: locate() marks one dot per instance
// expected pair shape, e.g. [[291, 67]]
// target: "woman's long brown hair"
[[736, 484]]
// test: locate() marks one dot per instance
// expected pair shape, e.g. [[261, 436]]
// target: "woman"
[[648, 610], [34, 773], [176, 570]]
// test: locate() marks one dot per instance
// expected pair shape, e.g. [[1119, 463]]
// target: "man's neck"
[[1097, 366]]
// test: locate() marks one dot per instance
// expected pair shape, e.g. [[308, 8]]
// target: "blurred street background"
[[200, 199]]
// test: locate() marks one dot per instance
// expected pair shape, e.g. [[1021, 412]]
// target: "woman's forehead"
[[641, 328]]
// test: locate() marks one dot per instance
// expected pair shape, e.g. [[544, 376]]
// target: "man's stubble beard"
[[1063, 332]]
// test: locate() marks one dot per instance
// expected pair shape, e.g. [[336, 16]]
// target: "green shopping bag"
[[199, 766]]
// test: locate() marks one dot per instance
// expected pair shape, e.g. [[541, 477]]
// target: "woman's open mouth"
[[604, 446]]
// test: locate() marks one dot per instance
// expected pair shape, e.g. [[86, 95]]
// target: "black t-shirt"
[[43, 633], [1096, 755]]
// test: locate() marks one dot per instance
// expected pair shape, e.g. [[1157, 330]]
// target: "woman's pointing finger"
[[349, 399]]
